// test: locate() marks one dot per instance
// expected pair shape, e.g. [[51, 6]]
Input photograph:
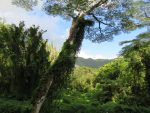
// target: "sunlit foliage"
[[23, 59]]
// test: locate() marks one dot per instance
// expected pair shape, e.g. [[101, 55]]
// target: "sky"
[[58, 29]]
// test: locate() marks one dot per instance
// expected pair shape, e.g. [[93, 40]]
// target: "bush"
[[13, 106], [111, 107]]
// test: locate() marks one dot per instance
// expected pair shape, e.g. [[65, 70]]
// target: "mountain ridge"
[[89, 62]]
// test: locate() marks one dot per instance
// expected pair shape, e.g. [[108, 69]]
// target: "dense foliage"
[[34, 82], [97, 20], [120, 86], [24, 58], [14, 106]]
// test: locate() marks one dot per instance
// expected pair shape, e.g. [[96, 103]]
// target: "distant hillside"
[[95, 63]]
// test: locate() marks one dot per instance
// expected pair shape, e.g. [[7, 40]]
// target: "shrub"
[[13, 106]]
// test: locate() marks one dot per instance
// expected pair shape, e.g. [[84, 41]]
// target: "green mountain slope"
[[94, 63]]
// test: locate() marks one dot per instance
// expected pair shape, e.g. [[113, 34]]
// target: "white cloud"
[[94, 56], [86, 55], [13, 14]]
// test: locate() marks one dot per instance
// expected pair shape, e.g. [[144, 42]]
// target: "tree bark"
[[39, 102], [62, 66]]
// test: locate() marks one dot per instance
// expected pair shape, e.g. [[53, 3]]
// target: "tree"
[[140, 10], [113, 81], [24, 59], [138, 54], [110, 19]]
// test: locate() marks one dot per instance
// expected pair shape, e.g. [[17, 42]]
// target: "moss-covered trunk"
[[59, 71]]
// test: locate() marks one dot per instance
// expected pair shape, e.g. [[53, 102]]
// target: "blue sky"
[[109, 49], [57, 30]]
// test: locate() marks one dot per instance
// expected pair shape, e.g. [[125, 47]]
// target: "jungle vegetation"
[[35, 78], [121, 85]]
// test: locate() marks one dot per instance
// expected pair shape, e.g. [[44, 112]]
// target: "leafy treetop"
[[111, 17]]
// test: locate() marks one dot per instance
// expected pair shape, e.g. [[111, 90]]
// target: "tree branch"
[[99, 21], [146, 15], [95, 6]]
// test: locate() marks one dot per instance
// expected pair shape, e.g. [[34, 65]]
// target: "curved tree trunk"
[[39, 102], [62, 66]]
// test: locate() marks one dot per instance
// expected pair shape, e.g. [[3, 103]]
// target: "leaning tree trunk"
[[62, 66]]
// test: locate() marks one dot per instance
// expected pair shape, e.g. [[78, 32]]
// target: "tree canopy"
[[110, 17]]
